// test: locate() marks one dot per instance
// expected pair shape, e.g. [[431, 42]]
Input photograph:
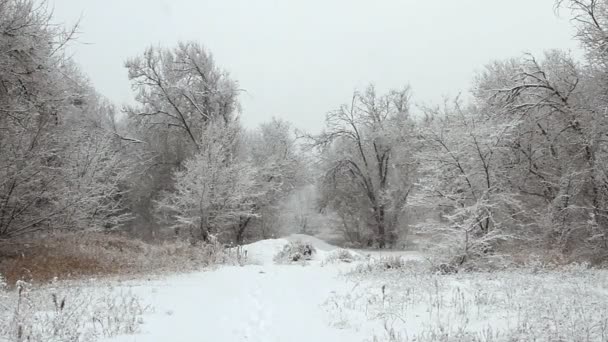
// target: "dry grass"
[[76, 255], [409, 303], [68, 313]]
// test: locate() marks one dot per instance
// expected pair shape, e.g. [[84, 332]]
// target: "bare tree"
[[179, 91], [181, 88], [215, 190], [559, 150], [590, 18], [280, 170], [58, 157], [367, 137], [462, 176]]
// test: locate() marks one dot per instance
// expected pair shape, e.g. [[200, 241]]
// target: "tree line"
[[523, 162]]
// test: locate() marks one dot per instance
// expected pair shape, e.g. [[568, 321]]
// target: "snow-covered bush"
[[297, 251], [341, 255]]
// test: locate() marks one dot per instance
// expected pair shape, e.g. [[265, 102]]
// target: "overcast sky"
[[298, 59]]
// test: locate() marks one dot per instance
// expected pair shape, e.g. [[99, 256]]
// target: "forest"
[[517, 166]]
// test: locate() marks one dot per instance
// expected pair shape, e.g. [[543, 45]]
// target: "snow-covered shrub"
[[341, 255], [295, 252]]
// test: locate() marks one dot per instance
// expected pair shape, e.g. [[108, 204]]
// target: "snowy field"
[[408, 303], [337, 296]]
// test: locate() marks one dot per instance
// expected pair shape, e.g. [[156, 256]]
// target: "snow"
[[263, 251], [327, 299], [265, 302]]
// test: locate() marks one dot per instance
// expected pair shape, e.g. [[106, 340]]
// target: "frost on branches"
[[61, 160], [367, 164], [215, 189]]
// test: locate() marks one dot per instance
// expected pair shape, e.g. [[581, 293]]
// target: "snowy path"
[[264, 303]]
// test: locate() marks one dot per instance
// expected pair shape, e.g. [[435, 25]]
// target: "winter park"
[[286, 171]]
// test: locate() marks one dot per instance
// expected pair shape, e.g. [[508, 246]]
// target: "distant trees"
[[526, 160], [281, 169], [204, 171], [368, 169], [233, 182]]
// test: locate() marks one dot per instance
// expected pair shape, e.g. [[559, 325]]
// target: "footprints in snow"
[[257, 327]]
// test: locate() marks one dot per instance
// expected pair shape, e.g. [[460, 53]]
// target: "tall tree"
[[181, 88], [215, 189], [280, 170], [366, 146], [179, 91], [462, 153]]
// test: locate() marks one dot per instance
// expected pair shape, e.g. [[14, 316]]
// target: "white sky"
[[298, 59]]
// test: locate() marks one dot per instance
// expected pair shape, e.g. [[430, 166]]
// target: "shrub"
[[341, 255], [297, 251]]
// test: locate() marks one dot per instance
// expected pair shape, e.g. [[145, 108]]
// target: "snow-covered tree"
[[60, 164], [215, 189], [179, 91], [368, 166], [280, 170], [559, 152], [463, 157]]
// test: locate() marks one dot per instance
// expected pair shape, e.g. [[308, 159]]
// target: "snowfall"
[[338, 295]]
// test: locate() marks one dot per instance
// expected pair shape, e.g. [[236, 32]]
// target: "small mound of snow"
[[263, 251]]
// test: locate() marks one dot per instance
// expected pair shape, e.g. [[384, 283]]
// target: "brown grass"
[[76, 255]]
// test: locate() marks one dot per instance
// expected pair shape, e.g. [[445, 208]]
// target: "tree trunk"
[[381, 226], [241, 229], [203, 230]]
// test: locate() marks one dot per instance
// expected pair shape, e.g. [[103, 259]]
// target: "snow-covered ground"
[[259, 301], [403, 301], [374, 296]]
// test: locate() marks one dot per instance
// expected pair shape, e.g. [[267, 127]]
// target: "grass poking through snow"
[[400, 300], [58, 313]]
